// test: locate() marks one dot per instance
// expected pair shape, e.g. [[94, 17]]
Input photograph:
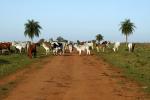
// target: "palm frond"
[[32, 28]]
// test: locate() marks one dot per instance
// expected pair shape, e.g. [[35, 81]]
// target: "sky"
[[75, 19]]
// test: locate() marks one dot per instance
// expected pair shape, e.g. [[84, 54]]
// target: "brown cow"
[[5, 45], [32, 50]]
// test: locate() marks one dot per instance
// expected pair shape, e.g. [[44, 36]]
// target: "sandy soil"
[[73, 77]]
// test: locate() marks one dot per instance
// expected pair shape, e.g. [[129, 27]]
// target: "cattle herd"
[[59, 48]]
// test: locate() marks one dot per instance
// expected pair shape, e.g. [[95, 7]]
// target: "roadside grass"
[[134, 65], [12, 63]]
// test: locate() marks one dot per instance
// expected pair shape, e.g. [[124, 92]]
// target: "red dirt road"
[[75, 78]]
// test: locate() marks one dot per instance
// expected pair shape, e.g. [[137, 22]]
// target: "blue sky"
[[75, 19]]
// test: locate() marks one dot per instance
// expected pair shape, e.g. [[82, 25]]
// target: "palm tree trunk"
[[31, 40], [126, 39]]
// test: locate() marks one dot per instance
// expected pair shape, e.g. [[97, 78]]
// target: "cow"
[[46, 47], [102, 46], [57, 48], [5, 46], [84, 48], [107, 43], [20, 46], [31, 50], [116, 46], [90, 44], [131, 47], [70, 47]]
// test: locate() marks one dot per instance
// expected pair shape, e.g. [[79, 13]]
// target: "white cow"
[[70, 47], [83, 48], [131, 47], [46, 47], [90, 44], [19, 45], [116, 46]]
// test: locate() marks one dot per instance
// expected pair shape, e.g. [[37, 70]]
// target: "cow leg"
[[35, 54], [103, 49], [117, 49], [79, 52], [46, 52], [20, 51], [30, 55], [88, 52], [97, 49], [133, 47], [114, 49]]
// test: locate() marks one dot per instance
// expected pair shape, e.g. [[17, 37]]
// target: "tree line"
[[32, 29]]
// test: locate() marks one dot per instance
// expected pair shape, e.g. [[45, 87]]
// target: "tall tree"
[[41, 41], [127, 28], [78, 42], [32, 28], [60, 39], [99, 37]]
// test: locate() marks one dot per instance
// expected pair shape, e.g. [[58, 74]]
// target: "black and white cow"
[[102, 46], [58, 48]]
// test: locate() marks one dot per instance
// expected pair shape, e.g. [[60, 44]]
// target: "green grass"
[[13, 62], [135, 65], [10, 63]]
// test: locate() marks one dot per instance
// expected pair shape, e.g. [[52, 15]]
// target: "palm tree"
[[99, 37], [127, 28], [32, 28]]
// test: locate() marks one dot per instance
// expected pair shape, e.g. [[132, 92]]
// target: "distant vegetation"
[[99, 37], [32, 28], [127, 28], [61, 39]]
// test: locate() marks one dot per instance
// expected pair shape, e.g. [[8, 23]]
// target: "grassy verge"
[[14, 62], [134, 65]]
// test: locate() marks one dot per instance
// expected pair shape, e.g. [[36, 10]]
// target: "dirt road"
[[75, 77]]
